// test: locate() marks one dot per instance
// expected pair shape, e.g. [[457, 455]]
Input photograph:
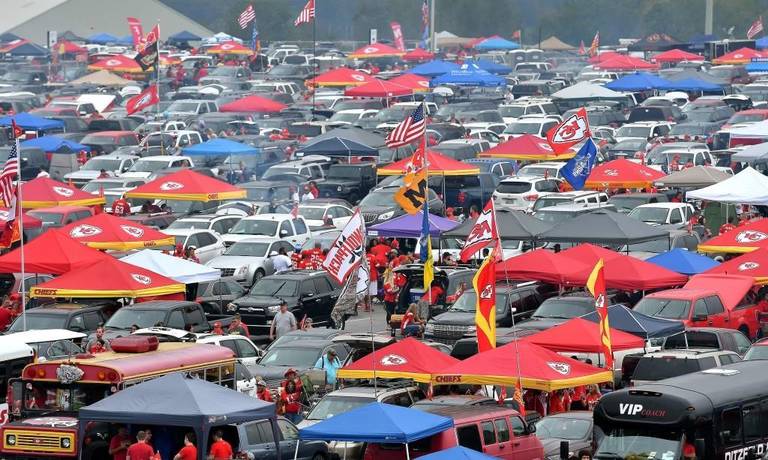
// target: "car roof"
[[309, 342], [667, 205], [570, 207], [686, 353], [296, 274], [269, 216], [111, 133], [164, 158], [184, 231]]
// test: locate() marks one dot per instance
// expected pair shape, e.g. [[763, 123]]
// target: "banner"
[[146, 98], [149, 53], [569, 132], [348, 250], [137, 32], [596, 286], [412, 195], [397, 33], [484, 283], [483, 233]]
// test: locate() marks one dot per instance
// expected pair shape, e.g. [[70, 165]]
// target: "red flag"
[[569, 132], [482, 234], [517, 34], [147, 98], [596, 285], [595, 44], [11, 232], [484, 283], [502, 396], [397, 33], [136, 31], [518, 397], [582, 50], [17, 131]]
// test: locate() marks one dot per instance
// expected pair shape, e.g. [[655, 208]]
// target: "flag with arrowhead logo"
[[484, 283], [149, 53], [146, 98], [569, 132], [483, 233], [596, 286]]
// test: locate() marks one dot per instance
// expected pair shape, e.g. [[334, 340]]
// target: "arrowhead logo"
[[135, 232], [64, 191], [559, 367], [84, 231], [145, 280], [748, 266], [168, 186], [750, 236], [393, 360]]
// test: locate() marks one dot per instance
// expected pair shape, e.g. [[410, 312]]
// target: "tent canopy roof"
[[625, 319], [52, 252], [697, 176], [253, 103], [580, 335], [638, 81], [585, 90], [33, 122], [439, 165], [409, 226], [339, 146], [55, 144], [513, 225], [682, 261], [497, 43], [175, 268], [602, 227], [434, 68], [44, 192], [555, 44], [379, 88], [105, 231], [220, 146], [746, 187], [744, 238], [342, 76], [187, 185], [101, 78], [468, 75]]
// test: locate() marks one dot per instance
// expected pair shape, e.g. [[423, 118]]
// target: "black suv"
[[348, 181], [307, 292], [557, 310], [458, 321], [75, 317]]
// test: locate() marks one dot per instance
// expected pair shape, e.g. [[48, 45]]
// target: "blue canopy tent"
[[497, 43], [683, 261], [33, 123], [457, 453], [339, 146], [757, 66], [761, 43], [219, 147], [692, 84], [8, 37], [55, 144], [638, 81], [126, 40], [102, 39], [434, 68], [468, 75], [492, 67], [409, 226], [177, 400], [184, 36], [378, 422], [625, 319]]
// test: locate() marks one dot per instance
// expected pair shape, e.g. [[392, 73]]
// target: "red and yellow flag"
[[484, 283], [595, 44], [518, 397], [596, 285]]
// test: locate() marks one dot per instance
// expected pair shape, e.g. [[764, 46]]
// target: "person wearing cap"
[[330, 364], [290, 396], [283, 322], [262, 392], [237, 327]]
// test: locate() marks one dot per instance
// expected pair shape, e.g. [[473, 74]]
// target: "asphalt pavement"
[[362, 322]]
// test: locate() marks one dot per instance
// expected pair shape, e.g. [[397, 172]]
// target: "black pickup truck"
[[348, 181]]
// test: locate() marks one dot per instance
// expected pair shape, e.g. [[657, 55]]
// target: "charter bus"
[[721, 412], [47, 397]]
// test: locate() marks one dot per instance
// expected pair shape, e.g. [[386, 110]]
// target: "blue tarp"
[[434, 68], [758, 66], [27, 121], [492, 67], [409, 226], [184, 36], [624, 319], [378, 422], [220, 147], [638, 81], [468, 75], [457, 453], [683, 261], [692, 84], [125, 41], [102, 39], [761, 43], [497, 43], [55, 144], [339, 146]]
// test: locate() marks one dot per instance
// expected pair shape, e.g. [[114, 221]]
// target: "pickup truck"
[[348, 181], [725, 301]]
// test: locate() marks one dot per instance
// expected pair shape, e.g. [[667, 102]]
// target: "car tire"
[[257, 276], [319, 456]]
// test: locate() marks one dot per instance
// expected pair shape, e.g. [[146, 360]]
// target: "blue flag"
[[424, 239], [578, 168]]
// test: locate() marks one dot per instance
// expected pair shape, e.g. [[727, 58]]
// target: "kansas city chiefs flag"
[[570, 132], [141, 101], [482, 234]]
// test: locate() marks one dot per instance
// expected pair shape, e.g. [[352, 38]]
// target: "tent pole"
[[296, 452], [345, 450], [407, 452]]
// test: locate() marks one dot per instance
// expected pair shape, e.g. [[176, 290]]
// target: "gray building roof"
[[31, 19]]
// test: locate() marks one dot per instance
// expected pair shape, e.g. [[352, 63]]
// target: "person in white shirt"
[[294, 194], [281, 262], [307, 195]]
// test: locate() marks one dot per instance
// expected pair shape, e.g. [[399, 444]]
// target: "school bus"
[[47, 397]]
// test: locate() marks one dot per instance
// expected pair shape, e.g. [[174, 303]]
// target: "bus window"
[[730, 427], [753, 425], [469, 437], [8, 370]]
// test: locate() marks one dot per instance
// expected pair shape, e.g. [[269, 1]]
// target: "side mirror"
[[531, 428], [272, 253], [283, 232]]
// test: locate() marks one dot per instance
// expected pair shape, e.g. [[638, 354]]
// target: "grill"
[[370, 217], [449, 331], [39, 441], [227, 272]]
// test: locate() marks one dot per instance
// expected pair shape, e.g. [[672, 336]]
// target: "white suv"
[[282, 226], [522, 192], [531, 124], [642, 130], [512, 112]]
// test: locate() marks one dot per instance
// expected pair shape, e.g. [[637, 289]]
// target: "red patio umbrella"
[[379, 88], [52, 252], [677, 55], [105, 231], [744, 238], [118, 63], [438, 165], [187, 185], [253, 103], [418, 54], [375, 50], [229, 47], [578, 335], [540, 265], [526, 147], [342, 76], [108, 278], [44, 192], [622, 62], [407, 358], [754, 264], [739, 56], [416, 82], [622, 173]]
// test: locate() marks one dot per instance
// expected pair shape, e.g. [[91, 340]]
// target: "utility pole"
[[709, 16], [432, 26]]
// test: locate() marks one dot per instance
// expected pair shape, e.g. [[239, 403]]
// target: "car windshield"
[[627, 203], [97, 140], [294, 357], [189, 107], [95, 186], [124, 318], [50, 218], [537, 171], [634, 131], [555, 217], [378, 198], [650, 214], [468, 302], [224, 71], [639, 443], [512, 111], [255, 227], [746, 118], [278, 171], [347, 117], [38, 322], [663, 308], [158, 139], [259, 193], [282, 71], [632, 145], [571, 429], [247, 249], [664, 367], [344, 172], [547, 201], [521, 127], [514, 187], [312, 213], [148, 166], [699, 115], [97, 164], [392, 114], [757, 352], [655, 246], [336, 404], [195, 224], [275, 287], [560, 308]]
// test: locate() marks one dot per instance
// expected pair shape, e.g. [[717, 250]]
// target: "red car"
[[746, 116], [726, 301]]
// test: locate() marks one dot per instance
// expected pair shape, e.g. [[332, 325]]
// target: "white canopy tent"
[[746, 187], [586, 90], [177, 269]]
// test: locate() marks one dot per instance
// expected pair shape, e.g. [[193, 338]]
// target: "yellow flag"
[[429, 266], [413, 193]]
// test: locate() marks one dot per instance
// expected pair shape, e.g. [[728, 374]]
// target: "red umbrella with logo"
[[526, 147], [379, 88], [418, 54], [187, 185], [744, 238], [375, 50], [105, 231], [52, 252], [44, 192], [410, 80], [230, 47], [118, 63], [622, 173], [754, 264], [342, 76]]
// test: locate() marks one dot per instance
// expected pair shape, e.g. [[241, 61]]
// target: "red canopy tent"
[[622, 62], [526, 147], [229, 47], [739, 56], [118, 63], [379, 88], [375, 50], [52, 252], [541, 265], [677, 55], [536, 368], [187, 185], [581, 336], [108, 278], [44, 192], [754, 264], [604, 57], [105, 231], [411, 80], [622, 173], [744, 238], [438, 165], [418, 54], [342, 76], [253, 103], [407, 358], [67, 47]]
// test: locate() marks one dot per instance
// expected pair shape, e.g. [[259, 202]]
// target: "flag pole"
[[425, 208], [157, 70], [314, 61], [19, 215]]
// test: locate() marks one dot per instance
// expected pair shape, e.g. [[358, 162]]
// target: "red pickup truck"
[[709, 301]]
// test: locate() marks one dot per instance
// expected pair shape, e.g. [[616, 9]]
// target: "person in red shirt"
[[592, 396], [140, 450], [220, 449], [392, 284], [262, 392], [121, 207], [434, 294], [313, 189], [556, 405], [290, 400], [189, 451], [411, 326], [118, 445], [727, 227], [379, 248], [6, 315], [373, 276]]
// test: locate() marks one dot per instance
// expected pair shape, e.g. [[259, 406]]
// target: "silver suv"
[[672, 363]]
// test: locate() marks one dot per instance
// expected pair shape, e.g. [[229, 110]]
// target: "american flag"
[[10, 170], [408, 130], [755, 28], [248, 15], [306, 15]]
